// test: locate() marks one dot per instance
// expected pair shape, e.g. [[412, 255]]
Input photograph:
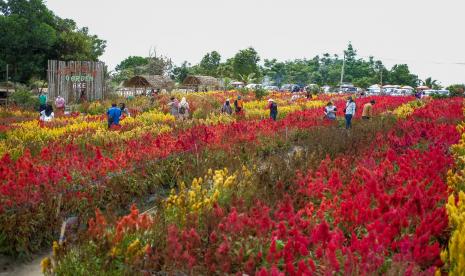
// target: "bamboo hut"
[[144, 82], [201, 83]]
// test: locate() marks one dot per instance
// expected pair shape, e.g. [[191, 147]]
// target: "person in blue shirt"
[[114, 114]]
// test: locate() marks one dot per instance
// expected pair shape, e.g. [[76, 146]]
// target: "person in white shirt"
[[349, 112], [47, 115], [330, 111], [183, 109]]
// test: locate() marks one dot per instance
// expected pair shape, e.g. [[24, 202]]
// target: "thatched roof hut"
[[200, 83], [145, 81]]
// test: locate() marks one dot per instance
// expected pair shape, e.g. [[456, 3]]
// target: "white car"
[[271, 88], [253, 86]]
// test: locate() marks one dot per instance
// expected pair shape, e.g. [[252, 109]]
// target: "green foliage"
[[179, 73], [313, 88], [400, 74], [32, 34], [210, 63], [260, 93], [434, 84], [456, 89], [25, 99], [137, 65], [245, 63], [131, 62]]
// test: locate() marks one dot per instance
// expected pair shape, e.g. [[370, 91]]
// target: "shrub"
[[25, 99]]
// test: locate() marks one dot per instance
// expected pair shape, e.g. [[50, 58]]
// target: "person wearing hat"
[[226, 108], [273, 109]]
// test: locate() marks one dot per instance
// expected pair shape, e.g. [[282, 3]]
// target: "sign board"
[[76, 80]]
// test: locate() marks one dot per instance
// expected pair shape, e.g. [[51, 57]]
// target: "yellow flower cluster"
[[454, 255], [257, 110], [215, 119], [407, 109], [6, 112], [83, 128], [150, 118], [216, 187]]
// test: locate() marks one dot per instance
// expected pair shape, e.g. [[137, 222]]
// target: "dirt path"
[[14, 268]]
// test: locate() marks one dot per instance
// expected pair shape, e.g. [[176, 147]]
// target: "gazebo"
[[200, 83], [149, 82]]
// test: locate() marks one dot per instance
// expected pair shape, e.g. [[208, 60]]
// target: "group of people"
[[349, 111], [180, 109], [114, 114], [46, 108], [239, 107]]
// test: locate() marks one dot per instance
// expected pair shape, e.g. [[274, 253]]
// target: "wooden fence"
[[76, 80]]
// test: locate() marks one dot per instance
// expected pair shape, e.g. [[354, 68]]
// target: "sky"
[[428, 35]]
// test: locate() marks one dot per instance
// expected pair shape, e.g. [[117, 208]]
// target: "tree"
[[158, 64], [245, 63], [457, 89], [433, 84], [400, 74], [210, 63], [180, 73], [275, 70], [131, 62], [32, 34]]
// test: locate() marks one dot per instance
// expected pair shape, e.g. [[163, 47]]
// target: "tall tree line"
[[247, 66]]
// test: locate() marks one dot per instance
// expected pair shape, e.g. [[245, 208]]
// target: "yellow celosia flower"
[[46, 264]]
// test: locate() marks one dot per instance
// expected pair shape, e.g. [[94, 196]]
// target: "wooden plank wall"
[[59, 85]]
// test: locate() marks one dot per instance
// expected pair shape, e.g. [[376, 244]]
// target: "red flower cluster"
[[377, 213], [33, 184]]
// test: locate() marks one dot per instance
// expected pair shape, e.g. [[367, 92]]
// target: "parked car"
[[271, 88], [253, 86], [286, 88]]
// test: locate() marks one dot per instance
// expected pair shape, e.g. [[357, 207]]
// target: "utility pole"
[[7, 74], [342, 71]]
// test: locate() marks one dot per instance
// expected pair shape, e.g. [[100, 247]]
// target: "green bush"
[[260, 93], [25, 99]]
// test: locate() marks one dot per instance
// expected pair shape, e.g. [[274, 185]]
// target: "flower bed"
[[80, 174], [377, 212]]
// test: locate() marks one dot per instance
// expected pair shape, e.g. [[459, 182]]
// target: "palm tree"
[[246, 79], [433, 84]]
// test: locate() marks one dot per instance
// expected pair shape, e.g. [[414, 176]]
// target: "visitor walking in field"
[[238, 105], [47, 114], [113, 114], [226, 108], [124, 110], [174, 107], [183, 109], [368, 110], [330, 111], [273, 109], [42, 101], [349, 112], [60, 105]]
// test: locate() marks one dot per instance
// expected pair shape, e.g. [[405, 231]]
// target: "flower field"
[[240, 194]]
